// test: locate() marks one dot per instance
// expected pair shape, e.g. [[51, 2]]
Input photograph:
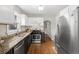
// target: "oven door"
[[36, 38]]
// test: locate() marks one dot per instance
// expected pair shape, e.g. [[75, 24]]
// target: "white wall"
[[36, 22], [33, 21], [53, 25]]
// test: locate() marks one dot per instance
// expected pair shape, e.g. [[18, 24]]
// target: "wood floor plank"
[[46, 47]]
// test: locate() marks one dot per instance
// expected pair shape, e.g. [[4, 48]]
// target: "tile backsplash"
[[3, 30]]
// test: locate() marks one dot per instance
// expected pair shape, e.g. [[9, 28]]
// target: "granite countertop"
[[10, 43]]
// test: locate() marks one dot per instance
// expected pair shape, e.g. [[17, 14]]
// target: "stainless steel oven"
[[36, 38]]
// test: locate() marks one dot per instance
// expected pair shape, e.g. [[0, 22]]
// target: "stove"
[[36, 38]]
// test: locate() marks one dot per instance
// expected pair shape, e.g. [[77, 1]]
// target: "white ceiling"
[[49, 10]]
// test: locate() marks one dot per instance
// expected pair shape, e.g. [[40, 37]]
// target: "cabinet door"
[[27, 43], [26, 21], [6, 14], [10, 51], [23, 20], [19, 48]]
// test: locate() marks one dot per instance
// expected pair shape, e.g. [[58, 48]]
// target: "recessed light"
[[40, 8]]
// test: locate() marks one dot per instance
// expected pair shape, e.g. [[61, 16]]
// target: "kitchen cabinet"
[[10, 51], [27, 43], [19, 48], [27, 21], [24, 20], [7, 14], [22, 47]]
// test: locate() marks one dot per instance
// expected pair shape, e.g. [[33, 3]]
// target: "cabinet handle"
[[58, 45]]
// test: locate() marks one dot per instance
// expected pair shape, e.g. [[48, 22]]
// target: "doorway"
[[47, 27]]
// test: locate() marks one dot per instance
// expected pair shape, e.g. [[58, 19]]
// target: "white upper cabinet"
[[27, 20], [24, 20], [7, 14]]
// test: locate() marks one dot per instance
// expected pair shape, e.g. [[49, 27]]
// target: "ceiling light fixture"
[[40, 8]]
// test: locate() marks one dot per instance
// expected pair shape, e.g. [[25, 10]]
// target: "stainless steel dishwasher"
[[19, 48]]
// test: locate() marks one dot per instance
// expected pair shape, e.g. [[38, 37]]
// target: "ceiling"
[[49, 10]]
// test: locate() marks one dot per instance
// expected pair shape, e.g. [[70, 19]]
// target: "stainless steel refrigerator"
[[67, 37]]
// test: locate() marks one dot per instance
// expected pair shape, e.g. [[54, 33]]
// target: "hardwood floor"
[[47, 46]]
